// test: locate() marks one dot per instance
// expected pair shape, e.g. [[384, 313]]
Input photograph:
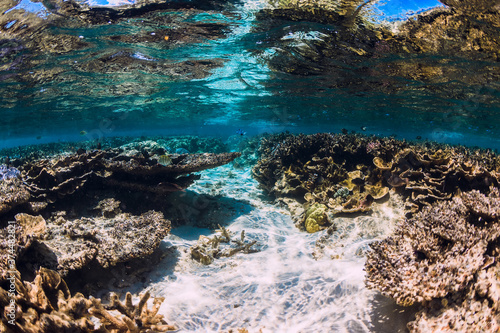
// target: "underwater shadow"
[[387, 316], [133, 276], [189, 208]]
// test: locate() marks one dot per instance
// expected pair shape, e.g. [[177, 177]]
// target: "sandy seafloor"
[[290, 285]]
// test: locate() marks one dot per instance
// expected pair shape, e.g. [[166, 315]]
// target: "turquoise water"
[[224, 68], [159, 86]]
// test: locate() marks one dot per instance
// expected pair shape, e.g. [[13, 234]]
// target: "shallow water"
[[290, 285], [216, 68], [76, 91]]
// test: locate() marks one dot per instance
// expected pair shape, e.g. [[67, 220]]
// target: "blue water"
[[56, 96]]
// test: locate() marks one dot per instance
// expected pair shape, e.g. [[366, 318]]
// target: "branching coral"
[[210, 248], [46, 306], [442, 258]]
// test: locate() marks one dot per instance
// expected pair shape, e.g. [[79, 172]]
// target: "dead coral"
[[73, 244], [46, 305], [442, 258], [210, 248]]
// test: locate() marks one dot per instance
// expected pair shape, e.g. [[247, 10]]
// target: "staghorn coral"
[[46, 306], [444, 258]]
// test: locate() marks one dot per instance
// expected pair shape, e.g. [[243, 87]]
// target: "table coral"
[[442, 258]]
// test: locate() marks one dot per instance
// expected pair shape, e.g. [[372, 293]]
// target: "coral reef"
[[62, 216], [444, 258], [78, 234], [210, 248], [12, 193], [7, 172], [348, 173], [46, 305], [73, 244], [50, 179]]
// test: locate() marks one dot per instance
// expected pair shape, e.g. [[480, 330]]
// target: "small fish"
[[164, 160], [240, 132], [83, 133]]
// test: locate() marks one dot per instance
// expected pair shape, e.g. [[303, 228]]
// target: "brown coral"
[[443, 256], [12, 193], [51, 179], [321, 167], [73, 244], [46, 305]]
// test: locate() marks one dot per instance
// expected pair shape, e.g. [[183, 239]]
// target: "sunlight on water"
[[282, 288]]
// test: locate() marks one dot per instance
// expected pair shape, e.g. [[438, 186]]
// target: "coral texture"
[[72, 244], [210, 248], [12, 193], [51, 179], [445, 259], [46, 306], [348, 173]]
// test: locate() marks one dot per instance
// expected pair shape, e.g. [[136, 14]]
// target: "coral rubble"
[[210, 248], [444, 258]]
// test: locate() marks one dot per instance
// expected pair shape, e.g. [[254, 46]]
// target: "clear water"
[[58, 95], [286, 287], [290, 285]]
